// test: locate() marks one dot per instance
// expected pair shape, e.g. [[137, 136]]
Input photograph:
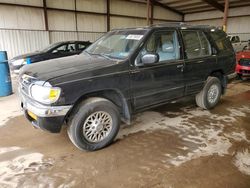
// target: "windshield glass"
[[117, 44], [48, 48]]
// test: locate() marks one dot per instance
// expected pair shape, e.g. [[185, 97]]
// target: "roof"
[[70, 41], [192, 6], [170, 25]]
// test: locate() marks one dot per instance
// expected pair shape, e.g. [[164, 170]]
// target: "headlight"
[[45, 94], [19, 62]]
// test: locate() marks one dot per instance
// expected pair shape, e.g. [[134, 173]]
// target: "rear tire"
[[94, 124], [210, 94]]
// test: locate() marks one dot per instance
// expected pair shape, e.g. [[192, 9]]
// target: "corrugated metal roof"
[[192, 6]]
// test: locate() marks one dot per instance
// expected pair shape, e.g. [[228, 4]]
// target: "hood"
[[54, 68], [243, 54], [24, 56]]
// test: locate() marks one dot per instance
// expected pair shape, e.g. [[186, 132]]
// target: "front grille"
[[245, 71], [25, 81], [244, 62]]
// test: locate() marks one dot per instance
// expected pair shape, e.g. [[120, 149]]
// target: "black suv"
[[122, 73]]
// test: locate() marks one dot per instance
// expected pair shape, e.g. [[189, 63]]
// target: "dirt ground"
[[176, 145]]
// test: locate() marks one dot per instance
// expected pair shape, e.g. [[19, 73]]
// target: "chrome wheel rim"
[[213, 94], [97, 126]]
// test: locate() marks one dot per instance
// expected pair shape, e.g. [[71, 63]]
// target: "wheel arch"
[[112, 95], [221, 76]]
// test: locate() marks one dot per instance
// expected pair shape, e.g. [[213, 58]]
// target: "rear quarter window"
[[221, 40]]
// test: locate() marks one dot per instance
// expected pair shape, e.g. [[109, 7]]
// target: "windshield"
[[117, 44], [48, 48]]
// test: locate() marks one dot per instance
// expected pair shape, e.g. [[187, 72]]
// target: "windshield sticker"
[[134, 37]]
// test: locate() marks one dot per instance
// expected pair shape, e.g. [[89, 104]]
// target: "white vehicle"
[[238, 45]]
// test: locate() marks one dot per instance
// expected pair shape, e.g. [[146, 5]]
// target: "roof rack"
[[183, 24], [171, 23]]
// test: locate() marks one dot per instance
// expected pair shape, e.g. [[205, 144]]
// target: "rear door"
[[157, 83], [199, 60]]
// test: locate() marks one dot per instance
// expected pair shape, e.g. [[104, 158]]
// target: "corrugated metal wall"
[[138, 10], [22, 29], [238, 20], [56, 36], [17, 42], [15, 17]]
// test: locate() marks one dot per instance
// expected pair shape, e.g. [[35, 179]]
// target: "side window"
[[165, 44], [222, 42], [71, 47], [192, 44], [237, 39], [82, 46], [233, 40], [196, 44], [205, 45], [62, 48]]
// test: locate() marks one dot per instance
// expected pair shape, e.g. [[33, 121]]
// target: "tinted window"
[[205, 45], [196, 44], [235, 39], [82, 46], [165, 44], [62, 48], [221, 40], [71, 47]]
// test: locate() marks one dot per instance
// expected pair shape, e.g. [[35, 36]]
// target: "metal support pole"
[[45, 15], [45, 12], [108, 15], [76, 22], [148, 12], [225, 15], [152, 13]]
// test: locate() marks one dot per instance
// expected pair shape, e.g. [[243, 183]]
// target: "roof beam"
[[215, 4], [166, 7]]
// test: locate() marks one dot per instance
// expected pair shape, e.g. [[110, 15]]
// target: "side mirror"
[[149, 59]]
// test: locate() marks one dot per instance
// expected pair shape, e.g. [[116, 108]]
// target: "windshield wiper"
[[107, 56]]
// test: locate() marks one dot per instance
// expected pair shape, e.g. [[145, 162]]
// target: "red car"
[[243, 63]]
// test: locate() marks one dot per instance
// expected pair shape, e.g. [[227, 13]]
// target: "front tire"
[[210, 94], [94, 124]]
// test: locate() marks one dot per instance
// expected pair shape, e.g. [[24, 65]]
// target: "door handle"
[[180, 67]]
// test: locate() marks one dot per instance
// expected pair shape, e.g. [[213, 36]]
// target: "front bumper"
[[243, 70], [50, 118]]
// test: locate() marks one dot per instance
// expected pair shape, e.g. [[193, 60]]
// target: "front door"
[[161, 81]]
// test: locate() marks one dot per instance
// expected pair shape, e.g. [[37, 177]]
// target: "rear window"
[[221, 40]]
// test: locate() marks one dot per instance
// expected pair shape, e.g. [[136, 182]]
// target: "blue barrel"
[[5, 79]]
